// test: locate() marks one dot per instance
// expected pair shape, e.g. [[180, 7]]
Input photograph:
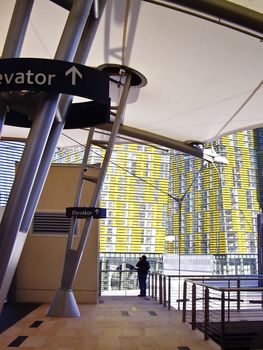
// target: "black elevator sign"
[[84, 212], [38, 74]]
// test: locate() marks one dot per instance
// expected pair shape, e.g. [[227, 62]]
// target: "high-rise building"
[[135, 194], [10, 154], [162, 201], [215, 207]]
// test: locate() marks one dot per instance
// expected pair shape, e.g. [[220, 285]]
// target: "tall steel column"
[[14, 40], [57, 127], [63, 302], [12, 234]]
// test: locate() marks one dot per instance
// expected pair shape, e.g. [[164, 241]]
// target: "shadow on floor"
[[13, 312]]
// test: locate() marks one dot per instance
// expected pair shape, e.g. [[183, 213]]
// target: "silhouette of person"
[[143, 267]]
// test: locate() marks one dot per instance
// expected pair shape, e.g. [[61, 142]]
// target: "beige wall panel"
[[39, 271]]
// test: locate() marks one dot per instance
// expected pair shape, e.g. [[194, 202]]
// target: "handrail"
[[212, 308], [230, 289], [208, 306]]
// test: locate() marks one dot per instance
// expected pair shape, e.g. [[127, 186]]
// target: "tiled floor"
[[117, 323]]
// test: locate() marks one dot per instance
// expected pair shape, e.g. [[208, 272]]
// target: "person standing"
[[143, 267]]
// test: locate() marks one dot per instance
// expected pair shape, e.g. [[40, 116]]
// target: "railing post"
[[125, 281], [222, 319], [228, 302], [160, 289], [169, 293], [238, 294], [149, 285], [206, 337], [152, 275], [120, 276], [155, 289], [184, 301], [194, 306], [100, 277], [164, 291]]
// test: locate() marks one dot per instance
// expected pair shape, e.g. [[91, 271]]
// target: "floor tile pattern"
[[118, 323], [36, 324], [17, 341]]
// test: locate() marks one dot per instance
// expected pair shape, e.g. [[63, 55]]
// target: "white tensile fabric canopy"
[[203, 78]]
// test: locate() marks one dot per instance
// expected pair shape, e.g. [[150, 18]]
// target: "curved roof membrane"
[[203, 70]]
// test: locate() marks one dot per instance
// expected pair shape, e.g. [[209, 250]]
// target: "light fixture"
[[210, 155], [170, 238], [117, 74]]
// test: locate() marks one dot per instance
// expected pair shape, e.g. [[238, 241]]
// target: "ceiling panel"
[[200, 75]]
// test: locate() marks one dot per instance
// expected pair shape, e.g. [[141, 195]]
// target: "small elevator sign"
[[35, 74], [84, 212]]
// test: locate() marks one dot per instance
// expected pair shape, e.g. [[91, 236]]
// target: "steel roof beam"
[[228, 11], [156, 139], [221, 9]]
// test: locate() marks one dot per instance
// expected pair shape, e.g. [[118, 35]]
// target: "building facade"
[[10, 154], [162, 201], [135, 194], [220, 203]]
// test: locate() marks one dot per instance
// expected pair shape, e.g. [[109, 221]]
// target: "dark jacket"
[[143, 266]]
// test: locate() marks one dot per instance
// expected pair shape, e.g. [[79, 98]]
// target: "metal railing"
[[166, 289], [118, 282], [161, 287], [125, 282], [169, 289], [228, 310]]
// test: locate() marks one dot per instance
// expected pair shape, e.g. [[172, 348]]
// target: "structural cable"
[[235, 202], [159, 189], [176, 199], [140, 178], [239, 109]]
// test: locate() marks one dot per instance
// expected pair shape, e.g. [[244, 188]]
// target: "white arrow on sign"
[[74, 72], [97, 211]]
